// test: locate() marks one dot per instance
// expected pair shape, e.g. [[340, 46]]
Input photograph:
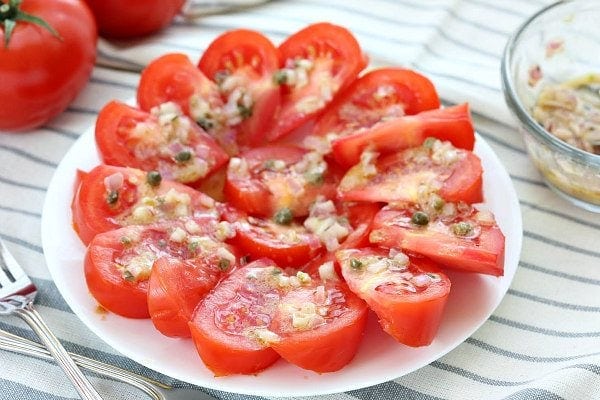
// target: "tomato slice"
[[413, 174], [408, 294], [379, 94], [230, 326], [119, 262], [266, 180], [455, 236], [320, 326], [174, 78], [108, 197], [242, 63], [317, 62], [163, 140], [289, 245], [176, 285], [453, 124]]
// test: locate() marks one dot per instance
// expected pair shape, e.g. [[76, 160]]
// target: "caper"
[[420, 218], [462, 228], [153, 178], [284, 216], [112, 197], [356, 264], [183, 156], [280, 77]]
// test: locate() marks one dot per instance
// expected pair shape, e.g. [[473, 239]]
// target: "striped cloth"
[[542, 342]]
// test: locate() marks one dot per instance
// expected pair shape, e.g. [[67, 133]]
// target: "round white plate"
[[473, 298]]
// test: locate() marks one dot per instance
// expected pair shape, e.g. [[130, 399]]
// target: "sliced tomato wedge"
[[266, 180], [230, 326], [414, 174], [378, 95], [453, 124], [459, 236], [163, 140], [408, 294], [174, 78], [118, 264], [320, 326], [242, 63], [109, 197], [290, 245], [176, 285], [317, 62]]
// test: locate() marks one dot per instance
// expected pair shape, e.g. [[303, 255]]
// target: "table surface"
[[542, 342]]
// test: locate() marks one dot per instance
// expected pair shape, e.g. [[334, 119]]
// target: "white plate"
[[473, 298]]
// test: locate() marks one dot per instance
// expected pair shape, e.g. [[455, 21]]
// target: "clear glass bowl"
[[572, 28]]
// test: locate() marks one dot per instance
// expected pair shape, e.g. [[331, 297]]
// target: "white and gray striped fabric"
[[543, 341]]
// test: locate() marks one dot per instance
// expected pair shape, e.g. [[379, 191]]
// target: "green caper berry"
[[420, 218], [128, 276], [438, 203], [183, 156], [125, 241], [462, 228], [224, 264], [284, 216], [356, 264], [193, 246], [280, 77], [315, 178], [112, 197], [245, 112], [205, 124], [429, 142], [153, 178], [269, 164]]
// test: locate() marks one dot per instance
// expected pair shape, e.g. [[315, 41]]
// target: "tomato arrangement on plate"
[[343, 194]]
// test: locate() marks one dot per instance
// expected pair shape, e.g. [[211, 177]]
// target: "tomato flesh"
[[154, 141], [229, 326], [242, 63], [453, 124], [455, 174], [322, 59], [379, 94], [475, 247], [408, 294], [108, 197], [267, 179], [320, 327]]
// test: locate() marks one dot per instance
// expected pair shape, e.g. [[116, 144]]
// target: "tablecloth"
[[542, 342]]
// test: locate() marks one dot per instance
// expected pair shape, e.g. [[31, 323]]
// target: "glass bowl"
[[559, 43]]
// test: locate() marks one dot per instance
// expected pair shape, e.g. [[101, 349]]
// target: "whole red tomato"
[[120, 19], [41, 72]]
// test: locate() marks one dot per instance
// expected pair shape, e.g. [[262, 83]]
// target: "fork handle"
[[34, 320]]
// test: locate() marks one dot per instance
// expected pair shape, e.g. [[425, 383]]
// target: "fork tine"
[[10, 265]]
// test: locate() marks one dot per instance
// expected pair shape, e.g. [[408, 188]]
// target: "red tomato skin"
[[411, 319], [40, 74], [113, 127], [222, 352], [484, 255], [93, 215], [411, 90], [252, 55], [173, 77], [135, 18], [453, 124], [326, 348], [105, 283], [348, 61], [175, 288]]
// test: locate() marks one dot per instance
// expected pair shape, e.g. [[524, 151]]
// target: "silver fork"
[[17, 294], [154, 389]]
